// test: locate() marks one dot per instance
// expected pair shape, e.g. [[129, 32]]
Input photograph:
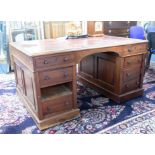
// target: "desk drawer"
[[116, 24], [131, 85], [116, 32], [132, 60], [131, 74], [61, 104], [49, 78], [54, 60], [136, 48]]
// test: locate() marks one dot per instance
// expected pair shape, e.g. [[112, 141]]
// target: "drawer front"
[[132, 60], [116, 24], [119, 24], [116, 32], [136, 48], [58, 105], [49, 78], [54, 60], [131, 74], [131, 85]]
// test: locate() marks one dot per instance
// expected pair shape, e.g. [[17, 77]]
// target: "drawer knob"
[[128, 74], [46, 77], [137, 82], [139, 60], [66, 103], [126, 86], [129, 50], [128, 62], [66, 58], [65, 74], [45, 61], [48, 110]]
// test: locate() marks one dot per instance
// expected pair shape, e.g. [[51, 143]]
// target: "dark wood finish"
[[46, 73], [45, 62], [112, 28], [91, 29], [58, 105], [53, 77], [132, 73], [114, 81], [87, 65], [132, 61], [118, 28]]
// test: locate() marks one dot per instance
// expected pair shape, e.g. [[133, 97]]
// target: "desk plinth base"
[[50, 121], [115, 97]]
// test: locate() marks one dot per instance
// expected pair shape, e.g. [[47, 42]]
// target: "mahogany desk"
[[45, 72]]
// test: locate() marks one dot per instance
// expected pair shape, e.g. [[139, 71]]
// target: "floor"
[[153, 58], [97, 113], [4, 68]]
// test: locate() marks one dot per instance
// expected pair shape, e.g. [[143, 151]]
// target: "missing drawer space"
[[53, 92]]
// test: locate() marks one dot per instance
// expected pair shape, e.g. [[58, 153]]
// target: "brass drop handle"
[[66, 58], [45, 61], [46, 77]]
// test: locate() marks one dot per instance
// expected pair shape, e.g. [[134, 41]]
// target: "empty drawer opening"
[[53, 92]]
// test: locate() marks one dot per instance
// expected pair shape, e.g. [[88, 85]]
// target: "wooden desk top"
[[53, 46]]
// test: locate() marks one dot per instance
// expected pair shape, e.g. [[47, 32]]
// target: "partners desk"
[[46, 76]]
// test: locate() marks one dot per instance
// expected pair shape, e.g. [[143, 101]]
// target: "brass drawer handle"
[[46, 78], [45, 61], [66, 58]]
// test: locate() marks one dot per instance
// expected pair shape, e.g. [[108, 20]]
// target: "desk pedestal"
[[117, 78]]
